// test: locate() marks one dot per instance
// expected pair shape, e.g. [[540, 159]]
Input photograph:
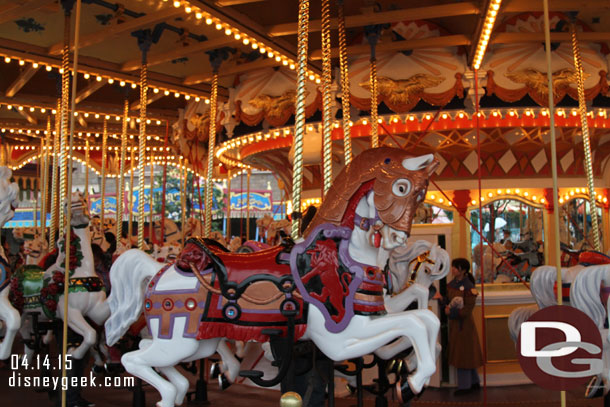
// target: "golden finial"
[[291, 399]]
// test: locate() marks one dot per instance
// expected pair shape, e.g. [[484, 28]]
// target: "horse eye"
[[401, 187]]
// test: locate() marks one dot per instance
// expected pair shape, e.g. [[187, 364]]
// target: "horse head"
[[80, 210], [35, 249], [420, 262], [8, 195], [398, 182]]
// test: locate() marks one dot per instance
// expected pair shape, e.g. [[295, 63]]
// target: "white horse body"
[[361, 336]]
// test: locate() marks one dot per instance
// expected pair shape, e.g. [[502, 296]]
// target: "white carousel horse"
[[542, 287], [171, 232], [35, 249], [87, 297], [369, 209], [168, 252], [491, 261], [589, 293], [9, 192]]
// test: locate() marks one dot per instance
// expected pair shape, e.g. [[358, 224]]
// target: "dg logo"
[[559, 348]]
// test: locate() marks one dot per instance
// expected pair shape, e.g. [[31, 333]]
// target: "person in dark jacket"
[[464, 348]]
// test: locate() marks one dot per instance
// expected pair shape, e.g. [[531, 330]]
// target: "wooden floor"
[[243, 396]]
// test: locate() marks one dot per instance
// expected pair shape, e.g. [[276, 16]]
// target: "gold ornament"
[[291, 399], [401, 91]]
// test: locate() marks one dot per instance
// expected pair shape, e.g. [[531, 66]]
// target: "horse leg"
[[180, 382], [163, 353], [77, 322], [230, 364], [12, 320], [366, 335], [100, 312]]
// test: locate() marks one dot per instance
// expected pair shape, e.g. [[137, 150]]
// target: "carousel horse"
[[215, 235], [193, 227], [35, 290], [35, 249], [9, 192], [167, 252], [97, 233], [171, 232], [327, 288], [589, 293]]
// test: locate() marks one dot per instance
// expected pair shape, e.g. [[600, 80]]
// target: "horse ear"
[[427, 162]]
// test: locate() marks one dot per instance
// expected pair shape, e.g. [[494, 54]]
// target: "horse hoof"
[[215, 370], [97, 369], [595, 388], [404, 392], [223, 382]]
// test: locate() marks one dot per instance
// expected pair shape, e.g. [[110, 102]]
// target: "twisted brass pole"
[[374, 114], [45, 179], [65, 95], [345, 104], [103, 187], [141, 152], [183, 198], [299, 120], [120, 194], [326, 97], [87, 168], [151, 231], [582, 107], [132, 170], [211, 144], [55, 178]]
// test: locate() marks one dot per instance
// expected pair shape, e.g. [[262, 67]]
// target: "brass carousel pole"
[[345, 104], [556, 240], [87, 168], [55, 179], [373, 37], [45, 179], [144, 44], [120, 193], [103, 180], [68, 191], [211, 143], [326, 98], [299, 122], [182, 168], [228, 206], [582, 107], [151, 232], [249, 173], [132, 170]]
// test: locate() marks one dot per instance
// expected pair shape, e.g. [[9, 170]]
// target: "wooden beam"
[[11, 12], [522, 6], [225, 3], [152, 97], [509, 38], [160, 57], [361, 20], [23, 78], [89, 90], [434, 42], [233, 70], [109, 32], [27, 115]]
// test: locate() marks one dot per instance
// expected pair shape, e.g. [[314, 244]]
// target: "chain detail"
[[142, 153], [299, 119], [211, 143], [345, 105], [374, 115], [104, 157], [582, 107], [121, 192], [326, 96]]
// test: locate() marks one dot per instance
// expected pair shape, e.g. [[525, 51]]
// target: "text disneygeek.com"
[[63, 383]]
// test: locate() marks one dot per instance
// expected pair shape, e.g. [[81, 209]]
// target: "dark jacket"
[[464, 347]]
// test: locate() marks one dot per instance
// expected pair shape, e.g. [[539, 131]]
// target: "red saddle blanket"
[[247, 294]]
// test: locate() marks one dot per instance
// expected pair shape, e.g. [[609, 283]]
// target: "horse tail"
[[585, 293], [129, 276], [542, 283], [517, 317]]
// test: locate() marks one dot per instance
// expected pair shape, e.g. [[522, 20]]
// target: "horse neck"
[[87, 267]]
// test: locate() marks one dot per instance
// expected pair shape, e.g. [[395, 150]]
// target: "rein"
[[419, 260]]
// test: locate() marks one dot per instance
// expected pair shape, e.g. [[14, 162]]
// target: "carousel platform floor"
[[244, 396]]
